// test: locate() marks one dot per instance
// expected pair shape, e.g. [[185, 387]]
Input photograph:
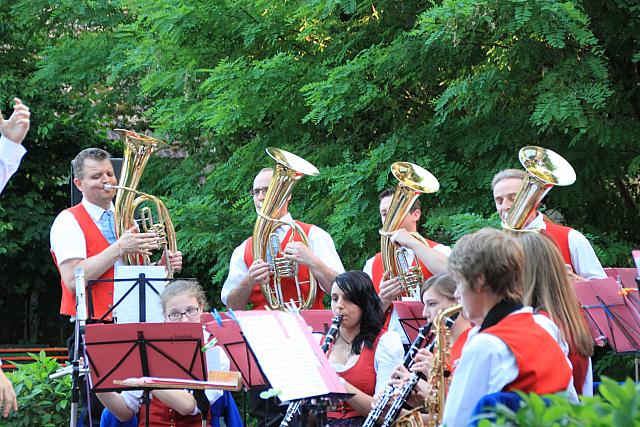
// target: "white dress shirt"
[[67, 239], [10, 156], [583, 257], [320, 243], [388, 355], [486, 366]]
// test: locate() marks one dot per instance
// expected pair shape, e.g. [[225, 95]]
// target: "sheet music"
[[396, 326], [284, 354], [128, 311]]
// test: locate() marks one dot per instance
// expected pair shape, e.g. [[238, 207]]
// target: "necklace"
[[345, 341]]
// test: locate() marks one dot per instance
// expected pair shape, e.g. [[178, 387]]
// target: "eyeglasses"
[[191, 312], [256, 191]]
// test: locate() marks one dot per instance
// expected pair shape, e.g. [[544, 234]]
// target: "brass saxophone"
[[440, 374], [413, 180]]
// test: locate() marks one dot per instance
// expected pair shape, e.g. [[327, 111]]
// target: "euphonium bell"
[[545, 169], [137, 151], [266, 244], [413, 180]]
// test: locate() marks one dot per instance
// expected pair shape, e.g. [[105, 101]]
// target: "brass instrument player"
[[574, 246], [246, 274], [84, 236], [432, 258]]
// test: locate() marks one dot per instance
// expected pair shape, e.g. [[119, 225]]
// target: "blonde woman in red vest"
[[437, 294], [364, 354], [84, 236], [548, 290], [576, 250], [182, 301], [432, 259], [509, 349]]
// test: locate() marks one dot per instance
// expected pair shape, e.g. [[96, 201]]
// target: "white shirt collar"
[[95, 211], [537, 223]]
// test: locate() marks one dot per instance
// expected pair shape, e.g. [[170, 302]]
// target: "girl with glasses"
[[182, 301]]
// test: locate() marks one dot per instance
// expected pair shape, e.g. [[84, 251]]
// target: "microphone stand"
[[75, 370]]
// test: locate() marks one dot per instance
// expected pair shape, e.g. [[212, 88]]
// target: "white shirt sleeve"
[[486, 366], [443, 249], [10, 156], [368, 267], [237, 271], [583, 257], [321, 244], [389, 354], [67, 239]]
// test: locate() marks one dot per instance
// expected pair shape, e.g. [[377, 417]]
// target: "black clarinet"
[[388, 390], [326, 346]]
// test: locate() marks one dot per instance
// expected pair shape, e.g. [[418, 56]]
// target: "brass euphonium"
[[137, 151], [413, 180], [544, 169], [266, 243], [440, 374]]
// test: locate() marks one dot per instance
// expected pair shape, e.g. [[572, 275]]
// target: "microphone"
[[81, 297]]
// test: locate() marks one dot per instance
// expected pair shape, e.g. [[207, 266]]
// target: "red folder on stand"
[[229, 337], [410, 316], [610, 314], [319, 320], [118, 352]]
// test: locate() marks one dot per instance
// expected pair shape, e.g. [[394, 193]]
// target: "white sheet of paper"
[[128, 310], [284, 354]]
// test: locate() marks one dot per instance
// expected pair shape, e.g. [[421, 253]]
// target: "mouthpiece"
[[108, 187]]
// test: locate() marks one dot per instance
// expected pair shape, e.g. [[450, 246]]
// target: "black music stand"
[[144, 285], [170, 350]]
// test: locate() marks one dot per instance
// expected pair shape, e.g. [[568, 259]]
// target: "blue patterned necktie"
[[107, 226]]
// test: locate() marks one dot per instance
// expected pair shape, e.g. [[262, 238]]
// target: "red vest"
[[288, 283], [560, 235], [542, 365], [362, 376], [377, 269], [101, 293], [456, 348], [160, 415]]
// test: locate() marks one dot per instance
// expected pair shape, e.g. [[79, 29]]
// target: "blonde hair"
[[494, 256], [547, 287], [442, 284], [189, 287]]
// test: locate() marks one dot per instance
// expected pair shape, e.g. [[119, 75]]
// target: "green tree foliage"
[[455, 86]]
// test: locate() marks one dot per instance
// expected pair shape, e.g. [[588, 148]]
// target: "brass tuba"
[[266, 243], [544, 169], [137, 151], [413, 180], [440, 374]]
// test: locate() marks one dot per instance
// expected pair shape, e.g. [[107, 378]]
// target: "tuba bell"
[[544, 169], [413, 180], [137, 151], [266, 243]]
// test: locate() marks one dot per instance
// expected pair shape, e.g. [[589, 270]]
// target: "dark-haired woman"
[[364, 354]]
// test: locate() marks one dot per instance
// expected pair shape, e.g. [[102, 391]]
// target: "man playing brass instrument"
[[574, 246], [84, 236], [246, 274], [432, 259]]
